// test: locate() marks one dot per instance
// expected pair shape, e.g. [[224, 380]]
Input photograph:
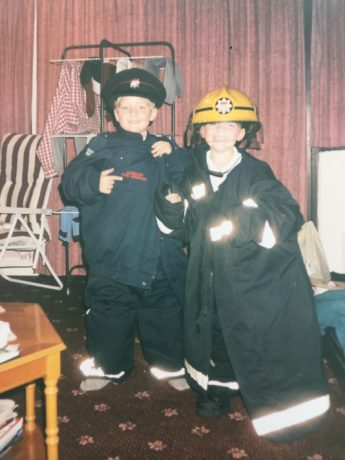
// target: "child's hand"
[[107, 181], [161, 148], [173, 198]]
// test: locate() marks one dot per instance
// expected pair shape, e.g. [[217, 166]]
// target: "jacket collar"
[[129, 135]]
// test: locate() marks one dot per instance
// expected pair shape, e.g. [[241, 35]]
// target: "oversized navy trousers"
[[117, 313]]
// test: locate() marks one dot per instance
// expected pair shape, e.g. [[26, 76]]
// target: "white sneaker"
[[179, 384], [89, 369], [94, 383]]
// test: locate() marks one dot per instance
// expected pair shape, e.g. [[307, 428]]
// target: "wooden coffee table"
[[40, 349]]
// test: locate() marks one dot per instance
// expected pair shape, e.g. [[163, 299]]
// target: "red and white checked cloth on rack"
[[67, 114]]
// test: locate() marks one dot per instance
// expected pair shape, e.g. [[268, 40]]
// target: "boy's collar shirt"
[[215, 180]]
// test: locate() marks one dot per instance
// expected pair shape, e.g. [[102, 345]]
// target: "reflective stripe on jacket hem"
[[292, 416]]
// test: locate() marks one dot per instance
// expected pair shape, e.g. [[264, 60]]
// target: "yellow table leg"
[[50, 391], [30, 416]]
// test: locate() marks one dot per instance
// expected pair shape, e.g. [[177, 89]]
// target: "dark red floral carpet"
[[144, 419]]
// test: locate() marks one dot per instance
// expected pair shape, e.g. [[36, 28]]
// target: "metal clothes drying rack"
[[121, 48]]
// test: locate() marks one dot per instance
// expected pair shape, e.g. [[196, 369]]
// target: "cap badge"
[[135, 83], [224, 105]]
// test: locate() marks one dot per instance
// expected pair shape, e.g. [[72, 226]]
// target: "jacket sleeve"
[[177, 162], [279, 208], [80, 181], [267, 210], [170, 216]]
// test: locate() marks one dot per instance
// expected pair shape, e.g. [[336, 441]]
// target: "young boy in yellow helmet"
[[250, 324]]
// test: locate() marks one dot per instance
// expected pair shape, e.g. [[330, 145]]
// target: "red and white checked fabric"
[[67, 114]]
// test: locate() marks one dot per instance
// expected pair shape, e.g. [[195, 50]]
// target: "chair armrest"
[[14, 210]]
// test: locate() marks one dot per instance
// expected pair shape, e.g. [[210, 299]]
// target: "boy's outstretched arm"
[[169, 208]]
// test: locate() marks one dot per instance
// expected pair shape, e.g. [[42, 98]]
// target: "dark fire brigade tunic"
[[262, 295]]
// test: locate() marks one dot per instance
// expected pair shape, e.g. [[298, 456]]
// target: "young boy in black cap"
[[135, 274]]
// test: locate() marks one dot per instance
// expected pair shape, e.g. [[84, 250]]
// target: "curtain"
[[267, 63], [328, 74], [256, 46], [16, 45]]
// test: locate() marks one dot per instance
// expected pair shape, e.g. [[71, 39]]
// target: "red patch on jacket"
[[134, 175]]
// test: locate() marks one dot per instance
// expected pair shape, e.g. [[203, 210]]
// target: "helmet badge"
[[223, 105], [135, 83]]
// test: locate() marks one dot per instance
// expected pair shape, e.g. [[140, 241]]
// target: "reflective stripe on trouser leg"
[[163, 374], [89, 369], [110, 324], [233, 385], [221, 372]]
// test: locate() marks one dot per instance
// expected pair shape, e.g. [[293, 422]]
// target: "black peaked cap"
[[134, 82]]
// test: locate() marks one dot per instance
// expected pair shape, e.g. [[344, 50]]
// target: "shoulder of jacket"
[[257, 166], [249, 157], [99, 142], [198, 155], [160, 137]]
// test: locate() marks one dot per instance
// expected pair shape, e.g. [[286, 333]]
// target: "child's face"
[[134, 113], [222, 136]]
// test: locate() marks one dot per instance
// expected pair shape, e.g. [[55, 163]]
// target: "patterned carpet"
[[144, 419]]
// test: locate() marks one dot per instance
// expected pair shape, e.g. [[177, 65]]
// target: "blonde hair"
[[117, 101]]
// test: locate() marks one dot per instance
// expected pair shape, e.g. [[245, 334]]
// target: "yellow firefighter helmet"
[[224, 104]]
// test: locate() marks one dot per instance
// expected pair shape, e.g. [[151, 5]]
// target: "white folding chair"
[[24, 194]]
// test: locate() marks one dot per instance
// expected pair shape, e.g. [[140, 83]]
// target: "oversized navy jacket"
[[119, 233], [263, 296]]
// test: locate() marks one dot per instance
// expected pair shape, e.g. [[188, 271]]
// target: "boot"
[[215, 402]]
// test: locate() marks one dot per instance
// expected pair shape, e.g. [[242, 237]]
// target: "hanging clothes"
[[172, 80], [90, 78], [69, 224], [67, 114], [124, 64]]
